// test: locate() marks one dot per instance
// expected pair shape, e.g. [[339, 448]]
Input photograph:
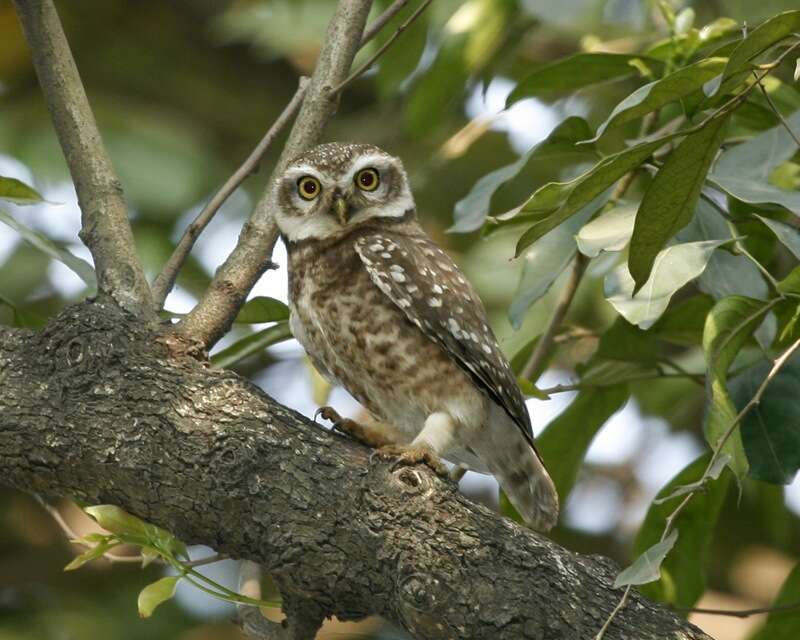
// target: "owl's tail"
[[520, 472], [531, 490]]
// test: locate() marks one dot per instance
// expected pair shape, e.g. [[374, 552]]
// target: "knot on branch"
[[421, 598]]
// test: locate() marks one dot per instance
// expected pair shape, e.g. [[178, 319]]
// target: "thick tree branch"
[[212, 316], [105, 228], [97, 406]]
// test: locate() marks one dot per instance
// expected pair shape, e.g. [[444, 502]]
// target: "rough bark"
[[105, 229], [98, 407]]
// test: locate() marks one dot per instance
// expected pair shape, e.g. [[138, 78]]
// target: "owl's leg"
[[435, 438], [372, 436]]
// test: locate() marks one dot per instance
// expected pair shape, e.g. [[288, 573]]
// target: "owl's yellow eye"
[[368, 179], [308, 187]]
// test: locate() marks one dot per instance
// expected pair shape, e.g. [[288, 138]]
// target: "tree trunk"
[[99, 407]]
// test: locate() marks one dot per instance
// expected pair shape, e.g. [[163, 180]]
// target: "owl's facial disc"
[[336, 187]]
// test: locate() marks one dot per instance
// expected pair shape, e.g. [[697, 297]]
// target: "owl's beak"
[[341, 208]]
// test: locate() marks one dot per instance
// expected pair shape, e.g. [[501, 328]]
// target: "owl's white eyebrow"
[[370, 160], [303, 170]]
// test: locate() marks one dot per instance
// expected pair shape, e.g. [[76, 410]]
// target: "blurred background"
[[182, 91]]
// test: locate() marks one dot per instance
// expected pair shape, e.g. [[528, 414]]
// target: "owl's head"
[[335, 187]]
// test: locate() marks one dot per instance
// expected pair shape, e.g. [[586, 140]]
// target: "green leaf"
[[669, 202], [683, 579], [718, 28], [721, 461], [155, 594], [472, 209], [50, 248], [22, 318], [726, 274], [788, 235], [522, 356], [610, 231], [791, 283], [660, 93], [731, 322], [683, 323], [117, 521], [647, 567], [92, 554], [744, 170], [757, 41], [673, 267], [783, 624], [251, 344], [771, 430], [684, 21], [624, 342], [544, 263], [564, 442], [262, 309], [555, 202], [578, 71], [18, 192]]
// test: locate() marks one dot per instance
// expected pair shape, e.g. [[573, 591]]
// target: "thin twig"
[[697, 378], [105, 229], [620, 605], [536, 363], [163, 284], [739, 613], [74, 538], [563, 388], [775, 110], [382, 49], [777, 365], [382, 20], [737, 240]]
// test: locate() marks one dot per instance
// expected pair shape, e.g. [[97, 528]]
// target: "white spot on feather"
[[435, 302]]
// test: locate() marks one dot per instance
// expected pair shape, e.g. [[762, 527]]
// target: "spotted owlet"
[[383, 311]]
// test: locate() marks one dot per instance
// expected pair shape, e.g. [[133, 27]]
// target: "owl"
[[383, 311]]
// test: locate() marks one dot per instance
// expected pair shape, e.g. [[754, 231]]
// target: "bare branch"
[[365, 67], [105, 227], [212, 316], [382, 20], [739, 613], [166, 279], [536, 363]]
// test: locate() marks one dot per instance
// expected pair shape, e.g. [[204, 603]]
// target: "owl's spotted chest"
[[363, 341]]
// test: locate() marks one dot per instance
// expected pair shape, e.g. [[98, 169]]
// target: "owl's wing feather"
[[429, 288]]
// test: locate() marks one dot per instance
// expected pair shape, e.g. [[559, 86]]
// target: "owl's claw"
[[343, 425], [407, 455], [357, 431]]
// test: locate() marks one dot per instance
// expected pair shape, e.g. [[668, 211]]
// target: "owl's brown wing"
[[430, 289]]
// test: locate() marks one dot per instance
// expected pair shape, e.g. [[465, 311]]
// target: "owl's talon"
[[355, 430], [408, 455]]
